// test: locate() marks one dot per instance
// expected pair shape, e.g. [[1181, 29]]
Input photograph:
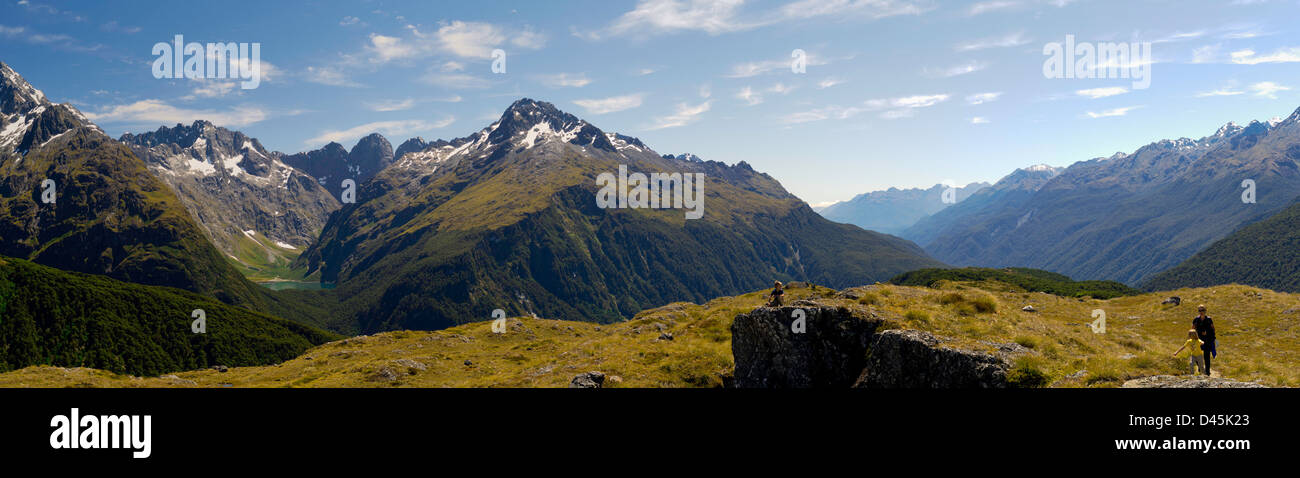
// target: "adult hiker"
[[1204, 326], [777, 292]]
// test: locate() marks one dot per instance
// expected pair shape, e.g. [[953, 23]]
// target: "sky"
[[891, 93]]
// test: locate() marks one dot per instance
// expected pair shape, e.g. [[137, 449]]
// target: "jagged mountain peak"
[[208, 142], [1228, 129], [16, 94], [410, 146], [528, 122], [28, 119]]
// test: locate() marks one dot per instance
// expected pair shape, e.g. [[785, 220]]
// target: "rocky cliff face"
[[252, 205], [830, 352], [838, 349], [916, 359]]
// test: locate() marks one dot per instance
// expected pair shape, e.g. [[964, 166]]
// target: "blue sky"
[[895, 92]]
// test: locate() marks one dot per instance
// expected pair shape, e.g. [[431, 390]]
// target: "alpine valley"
[[111, 251]]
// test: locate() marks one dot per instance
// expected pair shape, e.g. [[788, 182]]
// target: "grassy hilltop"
[[1257, 331]]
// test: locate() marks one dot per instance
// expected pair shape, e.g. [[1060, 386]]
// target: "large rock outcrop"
[[839, 349], [916, 359], [830, 352]]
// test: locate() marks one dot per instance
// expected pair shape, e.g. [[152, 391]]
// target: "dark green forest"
[[1031, 280], [53, 317]]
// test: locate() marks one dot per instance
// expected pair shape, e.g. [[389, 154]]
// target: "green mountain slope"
[[1264, 254], [109, 216], [53, 317], [507, 219]]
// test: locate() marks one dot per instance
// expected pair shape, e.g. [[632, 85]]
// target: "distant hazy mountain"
[[1264, 254], [507, 218], [254, 207], [893, 210], [983, 206], [332, 164], [1131, 216]]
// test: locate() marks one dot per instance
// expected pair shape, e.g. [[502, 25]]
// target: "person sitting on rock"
[[1193, 346], [777, 292]]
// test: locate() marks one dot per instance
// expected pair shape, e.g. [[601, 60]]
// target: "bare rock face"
[[771, 351], [1187, 381], [244, 197], [916, 359], [835, 348]]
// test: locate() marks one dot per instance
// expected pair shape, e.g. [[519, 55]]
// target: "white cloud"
[[457, 81], [666, 16], [821, 114], [991, 6], [386, 48], [327, 75], [1180, 36], [981, 98], [1112, 112], [391, 105], [979, 120], [755, 68], [600, 106], [529, 39], [869, 8], [349, 20], [1005, 41], [780, 89], [1220, 92], [716, 17], [1284, 55], [920, 101], [1206, 54], [1095, 93], [684, 115], [962, 69], [156, 112], [211, 89], [892, 108], [470, 39], [565, 80], [1268, 89], [829, 82], [747, 94], [389, 128]]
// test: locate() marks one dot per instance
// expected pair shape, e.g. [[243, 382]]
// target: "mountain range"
[[893, 210], [507, 218], [1129, 216]]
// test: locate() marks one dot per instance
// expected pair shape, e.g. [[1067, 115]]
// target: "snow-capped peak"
[[1228, 129]]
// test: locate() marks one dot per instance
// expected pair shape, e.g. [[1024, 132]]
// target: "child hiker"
[[1193, 346]]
